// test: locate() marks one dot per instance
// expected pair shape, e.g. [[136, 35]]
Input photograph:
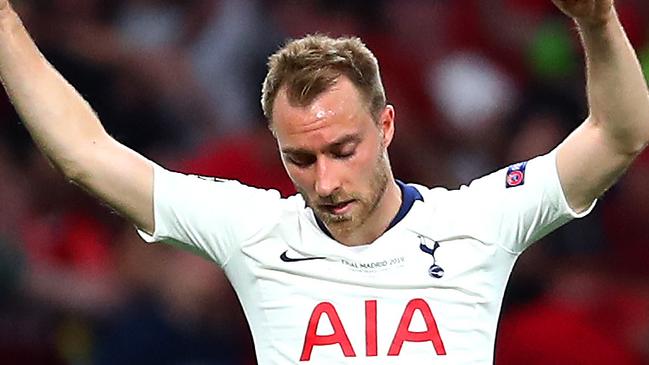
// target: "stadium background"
[[476, 84]]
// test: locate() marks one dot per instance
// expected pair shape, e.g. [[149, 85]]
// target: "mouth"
[[338, 208]]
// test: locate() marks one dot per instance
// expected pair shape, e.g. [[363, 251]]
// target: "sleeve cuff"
[[564, 200]]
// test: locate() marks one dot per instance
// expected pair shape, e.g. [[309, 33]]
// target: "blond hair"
[[309, 66]]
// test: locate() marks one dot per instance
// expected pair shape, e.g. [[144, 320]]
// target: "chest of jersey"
[[407, 299]]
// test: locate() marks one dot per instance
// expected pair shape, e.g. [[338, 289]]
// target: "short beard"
[[368, 205]]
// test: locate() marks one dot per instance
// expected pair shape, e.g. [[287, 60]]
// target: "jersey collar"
[[408, 197]]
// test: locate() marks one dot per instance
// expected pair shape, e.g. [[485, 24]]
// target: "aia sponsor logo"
[[403, 334]]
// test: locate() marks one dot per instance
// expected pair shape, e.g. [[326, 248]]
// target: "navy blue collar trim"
[[408, 197]]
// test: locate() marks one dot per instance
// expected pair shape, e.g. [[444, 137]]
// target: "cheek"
[[364, 165], [359, 172]]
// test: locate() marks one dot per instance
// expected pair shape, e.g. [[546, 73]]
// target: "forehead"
[[334, 114]]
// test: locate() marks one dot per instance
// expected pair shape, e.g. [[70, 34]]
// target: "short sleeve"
[[519, 204], [209, 216]]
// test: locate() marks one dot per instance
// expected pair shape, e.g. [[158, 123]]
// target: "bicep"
[[121, 178], [589, 163]]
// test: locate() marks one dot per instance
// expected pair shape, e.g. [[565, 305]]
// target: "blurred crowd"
[[476, 84]]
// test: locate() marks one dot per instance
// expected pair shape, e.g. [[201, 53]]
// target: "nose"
[[326, 180]]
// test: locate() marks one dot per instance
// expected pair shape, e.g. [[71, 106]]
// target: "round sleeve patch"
[[515, 175]]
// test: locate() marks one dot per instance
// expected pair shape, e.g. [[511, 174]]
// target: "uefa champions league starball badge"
[[434, 270]]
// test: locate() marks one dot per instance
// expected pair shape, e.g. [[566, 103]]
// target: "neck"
[[376, 223]]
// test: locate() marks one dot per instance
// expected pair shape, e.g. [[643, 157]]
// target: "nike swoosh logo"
[[284, 257]]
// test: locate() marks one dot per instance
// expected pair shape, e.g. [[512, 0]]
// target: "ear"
[[386, 124]]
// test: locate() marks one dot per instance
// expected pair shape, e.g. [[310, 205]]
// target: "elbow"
[[629, 140], [630, 145], [633, 145], [77, 164], [641, 147], [72, 170]]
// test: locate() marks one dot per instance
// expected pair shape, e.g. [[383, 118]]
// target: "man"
[[371, 270]]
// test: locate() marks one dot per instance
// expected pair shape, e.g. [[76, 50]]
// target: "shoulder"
[[182, 183], [223, 198], [495, 191]]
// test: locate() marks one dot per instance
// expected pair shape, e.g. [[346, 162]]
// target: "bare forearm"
[[60, 121], [617, 91]]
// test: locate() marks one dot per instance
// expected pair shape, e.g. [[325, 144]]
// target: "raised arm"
[[594, 156], [67, 130]]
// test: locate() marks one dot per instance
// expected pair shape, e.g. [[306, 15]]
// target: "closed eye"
[[343, 155], [344, 149], [300, 160]]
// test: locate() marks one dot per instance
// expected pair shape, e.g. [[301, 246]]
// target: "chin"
[[338, 220]]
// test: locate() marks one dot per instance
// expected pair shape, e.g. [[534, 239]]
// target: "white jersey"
[[427, 291]]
